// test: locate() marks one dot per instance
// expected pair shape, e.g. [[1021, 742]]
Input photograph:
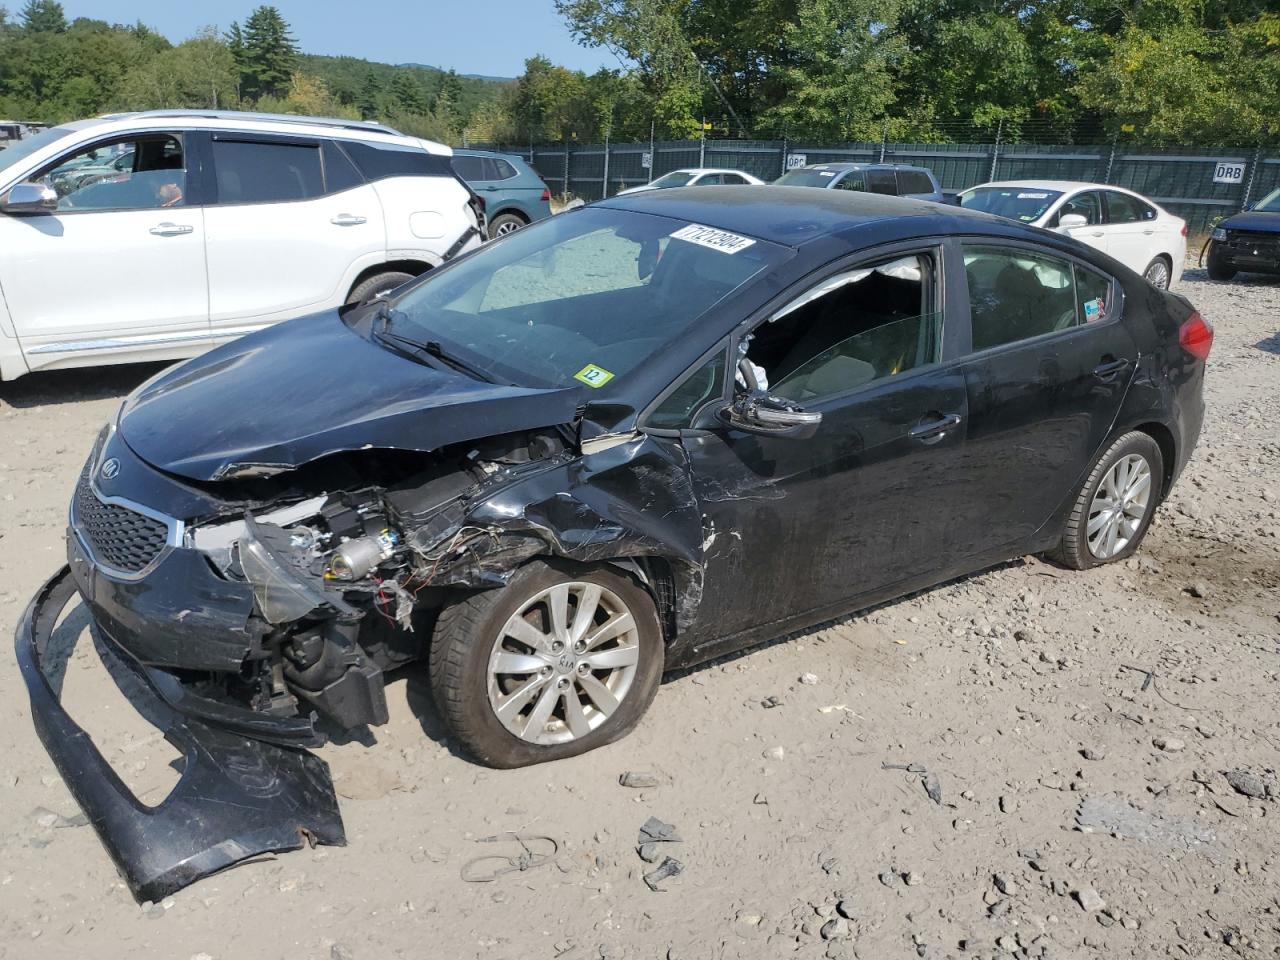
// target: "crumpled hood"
[[1252, 220], [313, 386]]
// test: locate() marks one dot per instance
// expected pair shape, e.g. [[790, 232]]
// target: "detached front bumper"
[[238, 796]]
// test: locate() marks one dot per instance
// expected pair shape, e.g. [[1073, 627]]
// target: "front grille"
[[1249, 240], [120, 538]]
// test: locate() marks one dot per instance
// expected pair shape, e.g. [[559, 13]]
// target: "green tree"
[[200, 72], [265, 53], [836, 70], [43, 16]]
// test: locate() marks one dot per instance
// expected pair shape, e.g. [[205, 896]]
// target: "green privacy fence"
[[1181, 180]]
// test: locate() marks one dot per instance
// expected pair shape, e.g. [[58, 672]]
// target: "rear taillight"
[[1196, 336], [546, 195], [1184, 230]]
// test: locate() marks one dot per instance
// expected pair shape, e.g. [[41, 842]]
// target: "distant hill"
[[468, 76], [373, 87]]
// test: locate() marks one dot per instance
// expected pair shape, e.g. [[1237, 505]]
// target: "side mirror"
[[29, 198], [754, 411], [1069, 221]]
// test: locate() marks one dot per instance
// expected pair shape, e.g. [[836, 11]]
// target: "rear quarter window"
[[914, 181], [381, 161]]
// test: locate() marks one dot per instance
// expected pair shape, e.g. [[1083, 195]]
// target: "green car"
[[513, 193]]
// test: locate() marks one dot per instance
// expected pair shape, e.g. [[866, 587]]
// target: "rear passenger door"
[[1050, 361], [291, 225]]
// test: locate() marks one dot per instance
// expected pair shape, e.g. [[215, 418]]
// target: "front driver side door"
[[118, 271], [796, 527]]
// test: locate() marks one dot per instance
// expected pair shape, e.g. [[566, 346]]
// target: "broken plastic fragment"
[[669, 867], [654, 830]]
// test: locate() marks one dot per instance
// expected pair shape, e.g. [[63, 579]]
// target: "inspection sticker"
[[721, 240], [1093, 309], [593, 376]]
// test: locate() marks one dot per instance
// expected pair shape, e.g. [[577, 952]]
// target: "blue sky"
[[491, 37]]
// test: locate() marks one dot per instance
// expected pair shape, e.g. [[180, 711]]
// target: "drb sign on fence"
[[1228, 171]]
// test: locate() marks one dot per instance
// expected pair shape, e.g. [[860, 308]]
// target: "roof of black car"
[[786, 215]]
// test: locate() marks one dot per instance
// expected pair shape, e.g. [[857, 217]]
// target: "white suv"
[[154, 236]]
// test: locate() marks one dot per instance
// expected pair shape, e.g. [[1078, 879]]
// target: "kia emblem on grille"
[[110, 470]]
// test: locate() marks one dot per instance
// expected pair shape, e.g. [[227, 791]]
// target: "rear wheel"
[[368, 290], [505, 223], [1114, 507], [556, 663], [1158, 273]]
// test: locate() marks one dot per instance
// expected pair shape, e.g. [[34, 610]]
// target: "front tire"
[[1114, 507], [1218, 270], [560, 661], [368, 290]]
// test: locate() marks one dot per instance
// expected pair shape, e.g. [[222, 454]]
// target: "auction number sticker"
[[593, 376], [721, 240]]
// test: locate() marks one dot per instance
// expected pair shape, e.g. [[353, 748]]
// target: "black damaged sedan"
[[627, 439]]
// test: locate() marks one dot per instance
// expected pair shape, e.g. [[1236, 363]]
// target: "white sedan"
[[1137, 232], [697, 177]]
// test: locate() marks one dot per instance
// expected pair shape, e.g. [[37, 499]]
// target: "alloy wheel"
[[563, 663], [507, 226], [1119, 506], [1158, 274]]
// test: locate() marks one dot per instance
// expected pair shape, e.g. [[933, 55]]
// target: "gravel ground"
[[1084, 811]]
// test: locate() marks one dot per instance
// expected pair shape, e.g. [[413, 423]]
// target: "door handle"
[[1097, 233], [931, 431], [172, 229], [1147, 232], [348, 220], [1110, 369]]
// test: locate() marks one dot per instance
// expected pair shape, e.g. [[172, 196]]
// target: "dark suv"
[[1248, 241], [894, 179]]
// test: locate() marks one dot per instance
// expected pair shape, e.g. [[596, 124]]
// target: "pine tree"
[[44, 16], [265, 52]]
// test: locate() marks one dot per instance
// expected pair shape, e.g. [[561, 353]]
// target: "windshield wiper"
[[432, 348]]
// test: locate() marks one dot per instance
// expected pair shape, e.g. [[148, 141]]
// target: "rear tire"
[[366, 291], [1115, 505], [505, 223], [556, 700], [1159, 272]]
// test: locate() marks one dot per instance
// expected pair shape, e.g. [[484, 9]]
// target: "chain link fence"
[[1200, 185]]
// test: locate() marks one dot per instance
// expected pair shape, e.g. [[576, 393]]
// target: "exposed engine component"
[[356, 559]]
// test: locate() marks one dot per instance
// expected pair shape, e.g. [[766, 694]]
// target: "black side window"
[[380, 161], [699, 387], [732, 179], [882, 181], [259, 172], [710, 180], [339, 172], [1122, 208], [1015, 294], [470, 169], [852, 329], [913, 181]]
